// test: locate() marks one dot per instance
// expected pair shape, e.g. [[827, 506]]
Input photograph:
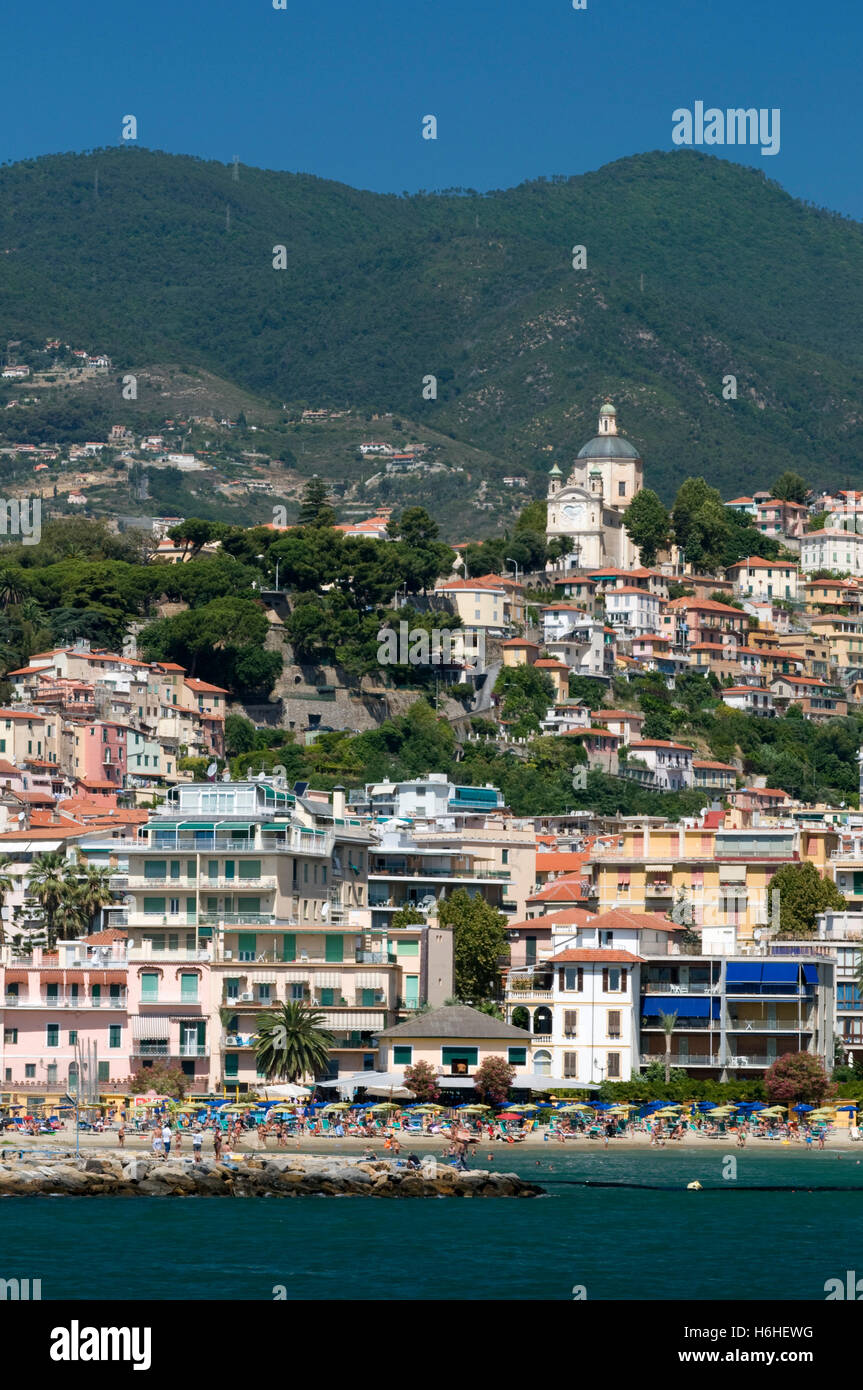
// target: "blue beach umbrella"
[[803, 1108]]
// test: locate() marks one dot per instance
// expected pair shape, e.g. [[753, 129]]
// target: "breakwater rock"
[[299, 1175]]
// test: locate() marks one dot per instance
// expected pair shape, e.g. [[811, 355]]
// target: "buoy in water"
[[693, 1187]]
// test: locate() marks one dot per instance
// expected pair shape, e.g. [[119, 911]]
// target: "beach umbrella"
[[426, 1109], [572, 1109], [803, 1107], [849, 1105], [472, 1109], [386, 1105]]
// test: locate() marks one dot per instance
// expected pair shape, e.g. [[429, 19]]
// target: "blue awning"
[[742, 973], [685, 1006], [810, 974], [780, 973]]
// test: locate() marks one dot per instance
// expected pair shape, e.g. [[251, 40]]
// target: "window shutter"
[[614, 1023], [561, 978], [570, 1022], [605, 979], [613, 1065], [580, 979], [570, 1064], [623, 980]]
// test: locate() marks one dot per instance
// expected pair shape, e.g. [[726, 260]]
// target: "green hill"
[[697, 268]]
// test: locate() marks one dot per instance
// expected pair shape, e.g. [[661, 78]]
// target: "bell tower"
[[608, 419]]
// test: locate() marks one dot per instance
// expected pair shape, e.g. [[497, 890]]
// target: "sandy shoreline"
[[839, 1140]]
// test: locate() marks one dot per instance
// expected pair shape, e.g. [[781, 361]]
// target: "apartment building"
[[764, 579]]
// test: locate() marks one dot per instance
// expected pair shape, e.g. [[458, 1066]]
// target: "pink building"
[[59, 1005], [99, 753]]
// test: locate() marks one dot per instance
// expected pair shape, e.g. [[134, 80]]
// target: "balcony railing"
[[425, 872], [693, 1059], [655, 987], [194, 1050], [767, 1025], [64, 1001]]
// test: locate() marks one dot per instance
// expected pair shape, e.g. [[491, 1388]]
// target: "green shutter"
[[249, 905], [250, 868], [367, 998], [402, 1056], [412, 991], [407, 948], [188, 987], [231, 869], [334, 951], [247, 944], [155, 868], [114, 1035], [232, 1064], [328, 997], [517, 1056], [149, 986], [154, 907], [289, 946]]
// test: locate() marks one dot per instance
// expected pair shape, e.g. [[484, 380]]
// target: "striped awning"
[[16, 977], [151, 1029], [50, 976], [367, 979], [296, 977], [354, 1020], [261, 977], [328, 979]]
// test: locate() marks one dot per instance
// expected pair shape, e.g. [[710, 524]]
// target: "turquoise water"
[[626, 1242]]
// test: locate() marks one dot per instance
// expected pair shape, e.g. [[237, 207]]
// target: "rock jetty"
[[300, 1175]]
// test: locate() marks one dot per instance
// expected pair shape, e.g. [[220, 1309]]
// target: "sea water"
[[790, 1221]]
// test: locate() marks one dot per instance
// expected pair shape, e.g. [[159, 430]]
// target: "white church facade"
[[588, 508]]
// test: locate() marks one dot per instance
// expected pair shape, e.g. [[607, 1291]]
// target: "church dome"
[[608, 446], [608, 409]]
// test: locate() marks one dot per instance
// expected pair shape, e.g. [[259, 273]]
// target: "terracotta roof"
[[520, 642], [707, 605], [571, 916], [568, 889], [661, 743], [621, 918], [755, 562], [720, 767], [101, 938]]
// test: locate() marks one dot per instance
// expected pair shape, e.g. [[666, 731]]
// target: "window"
[[570, 1022], [517, 1056], [104, 1071], [10, 1036], [614, 1023], [29, 1071], [459, 1059], [51, 992], [114, 1033], [572, 978], [613, 980], [613, 1071], [52, 1035], [232, 1064], [264, 994], [189, 987], [73, 1037], [328, 997], [402, 1056], [368, 998], [149, 987]]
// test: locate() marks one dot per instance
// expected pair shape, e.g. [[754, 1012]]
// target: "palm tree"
[[291, 1043], [90, 891], [11, 589], [49, 886], [668, 1022], [7, 883]]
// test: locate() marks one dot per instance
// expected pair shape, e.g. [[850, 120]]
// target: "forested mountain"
[[696, 269]]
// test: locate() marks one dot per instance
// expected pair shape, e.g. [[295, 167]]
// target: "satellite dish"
[[325, 911], [22, 815], [212, 769]]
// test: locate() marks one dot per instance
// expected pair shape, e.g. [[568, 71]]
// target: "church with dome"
[[588, 507]]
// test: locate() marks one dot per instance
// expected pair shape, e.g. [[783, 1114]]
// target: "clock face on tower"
[[573, 511]]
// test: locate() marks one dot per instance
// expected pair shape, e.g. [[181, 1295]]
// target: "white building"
[[588, 508], [632, 612], [832, 550]]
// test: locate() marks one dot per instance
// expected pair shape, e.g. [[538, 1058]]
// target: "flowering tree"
[[493, 1079], [798, 1076], [421, 1078]]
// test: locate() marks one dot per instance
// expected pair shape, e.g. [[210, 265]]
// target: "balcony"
[[239, 919], [690, 1059], [683, 1025], [64, 1001], [767, 1025], [194, 1050], [528, 995], [750, 1060], [654, 987], [422, 873], [374, 958]]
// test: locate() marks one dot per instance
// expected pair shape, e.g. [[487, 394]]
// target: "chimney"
[[338, 803]]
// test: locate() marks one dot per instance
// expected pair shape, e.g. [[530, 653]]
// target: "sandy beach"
[[838, 1140]]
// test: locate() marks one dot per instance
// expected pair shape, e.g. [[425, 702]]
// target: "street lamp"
[[514, 563]]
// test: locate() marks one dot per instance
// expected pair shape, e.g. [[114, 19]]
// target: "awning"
[[685, 1006], [353, 1020], [535, 1081], [780, 973], [732, 873], [151, 1029], [52, 976], [455, 1083], [16, 977], [328, 979], [370, 979], [740, 973], [657, 868], [810, 974], [115, 977]]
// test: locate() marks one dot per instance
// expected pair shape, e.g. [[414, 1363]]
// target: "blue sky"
[[519, 87]]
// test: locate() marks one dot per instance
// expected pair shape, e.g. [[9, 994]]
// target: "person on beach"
[[158, 1147], [179, 1140], [166, 1139], [121, 1134], [217, 1143], [197, 1143]]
